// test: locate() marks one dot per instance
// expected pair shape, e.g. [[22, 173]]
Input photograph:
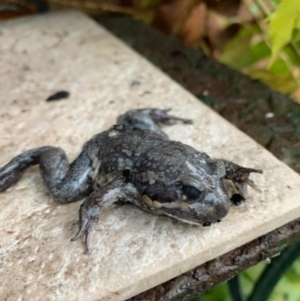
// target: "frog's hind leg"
[[149, 119], [66, 182]]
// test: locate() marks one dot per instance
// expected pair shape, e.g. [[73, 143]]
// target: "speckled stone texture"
[[132, 250]]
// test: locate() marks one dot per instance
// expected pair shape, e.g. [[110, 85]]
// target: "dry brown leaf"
[[296, 96], [172, 15], [194, 27]]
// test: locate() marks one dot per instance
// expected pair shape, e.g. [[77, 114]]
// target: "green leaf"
[[296, 267], [283, 83], [297, 22], [282, 23], [275, 2], [238, 52], [235, 289], [296, 35], [291, 57], [196, 299], [280, 69], [260, 51], [218, 293], [249, 277], [286, 289]]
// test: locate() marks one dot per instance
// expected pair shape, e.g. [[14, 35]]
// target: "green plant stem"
[[235, 289], [263, 7], [273, 272]]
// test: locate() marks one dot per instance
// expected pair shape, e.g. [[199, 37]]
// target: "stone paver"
[[132, 250]]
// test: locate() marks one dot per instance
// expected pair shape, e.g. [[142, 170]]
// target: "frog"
[[135, 162]]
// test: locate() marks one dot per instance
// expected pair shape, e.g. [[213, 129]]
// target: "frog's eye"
[[191, 192]]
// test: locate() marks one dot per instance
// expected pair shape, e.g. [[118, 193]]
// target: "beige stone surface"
[[132, 250]]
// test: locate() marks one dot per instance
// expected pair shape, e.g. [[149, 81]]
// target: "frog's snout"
[[211, 209]]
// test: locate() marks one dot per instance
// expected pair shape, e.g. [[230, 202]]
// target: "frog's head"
[[190, 188]]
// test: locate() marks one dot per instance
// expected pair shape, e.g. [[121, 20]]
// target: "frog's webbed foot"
[[88, 214], [237, 179], [149, 119]]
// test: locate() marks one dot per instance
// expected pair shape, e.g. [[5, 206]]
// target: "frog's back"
[[120, 149]]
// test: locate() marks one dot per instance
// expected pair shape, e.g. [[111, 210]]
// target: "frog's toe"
[[252, 184], [242, 180], [84, 229], [87, 216], [239, 177], [164, 117]]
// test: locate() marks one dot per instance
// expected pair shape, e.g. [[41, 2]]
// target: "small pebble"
[[269, 115], [58, 96]]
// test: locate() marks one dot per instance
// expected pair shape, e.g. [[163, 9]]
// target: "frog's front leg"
[[99, 200], [237, 180], [150, 120], [66, 182]]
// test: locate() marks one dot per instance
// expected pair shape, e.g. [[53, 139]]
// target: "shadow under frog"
[[134, 161]]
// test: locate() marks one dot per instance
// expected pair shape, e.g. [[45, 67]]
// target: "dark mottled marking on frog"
[[127, 175]]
